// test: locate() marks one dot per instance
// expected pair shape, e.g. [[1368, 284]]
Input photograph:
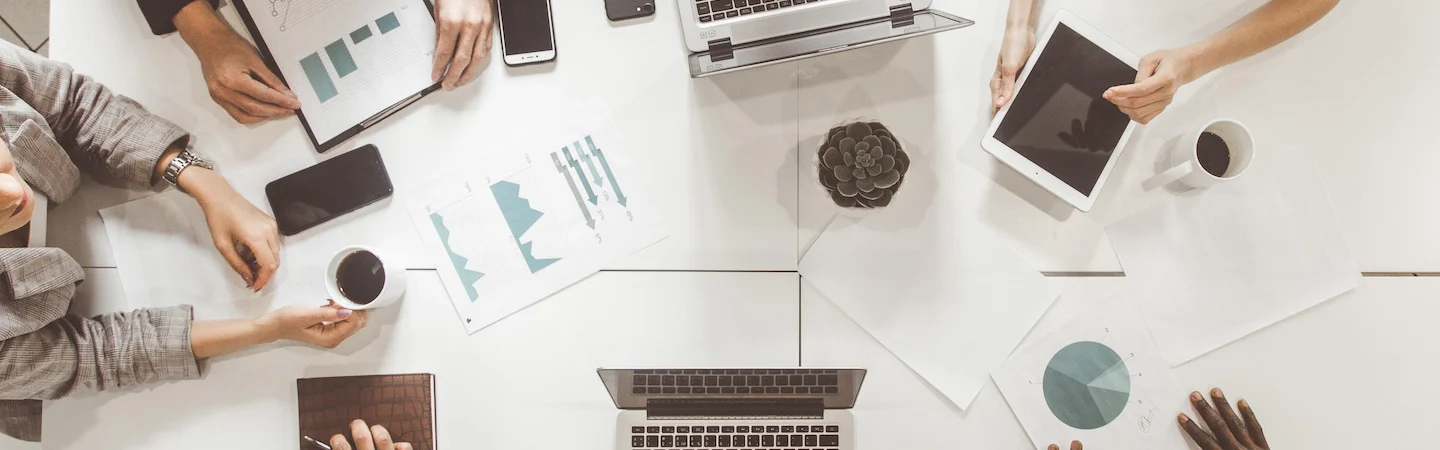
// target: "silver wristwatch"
[[184, 160]]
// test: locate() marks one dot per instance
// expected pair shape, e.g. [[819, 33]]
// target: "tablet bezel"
[[1028, 168]]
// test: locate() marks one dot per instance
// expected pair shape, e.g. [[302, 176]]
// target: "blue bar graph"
[[319, 78], [360, 34], [340, 57], [387, 23]]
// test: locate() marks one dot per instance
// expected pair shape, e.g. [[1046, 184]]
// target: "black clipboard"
[[323, 147]]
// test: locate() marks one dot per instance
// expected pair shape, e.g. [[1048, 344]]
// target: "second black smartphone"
[[327, 190], [618, 10]]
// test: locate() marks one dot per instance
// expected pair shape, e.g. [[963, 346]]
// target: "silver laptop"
[[729, 35], [790, 408]]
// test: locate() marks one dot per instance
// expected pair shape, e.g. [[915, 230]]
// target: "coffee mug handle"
[[1171, 175]]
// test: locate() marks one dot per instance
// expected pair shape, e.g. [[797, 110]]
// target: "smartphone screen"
[[525, 26], [327, 190]]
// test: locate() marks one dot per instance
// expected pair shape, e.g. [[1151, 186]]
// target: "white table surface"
[[1355, 372], [1357, 91], [717, 155], [508, 387]]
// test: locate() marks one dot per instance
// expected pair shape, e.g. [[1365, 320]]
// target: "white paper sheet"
[[511, 233], [1212, 266], [165, 257], [939, 289], [372, 54], [1097, 379]]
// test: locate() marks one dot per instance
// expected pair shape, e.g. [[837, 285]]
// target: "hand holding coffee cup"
[[1219, 152], [359, 279]]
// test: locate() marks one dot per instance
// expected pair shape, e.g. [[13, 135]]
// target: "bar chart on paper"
[[328, 69], [513, 237]]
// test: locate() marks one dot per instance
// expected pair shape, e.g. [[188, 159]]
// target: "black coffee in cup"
[[360, 277], [1214, 154]]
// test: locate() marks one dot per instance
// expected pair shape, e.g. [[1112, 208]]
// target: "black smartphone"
[[618, 10], [527, 35], [328, 190]]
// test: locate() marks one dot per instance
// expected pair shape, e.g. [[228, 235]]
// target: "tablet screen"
[[1059, 120]]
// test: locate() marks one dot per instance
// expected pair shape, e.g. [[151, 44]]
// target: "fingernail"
[[1243, 404], [1183, 419], [1195, 396], [342, 313], [1217, 393]]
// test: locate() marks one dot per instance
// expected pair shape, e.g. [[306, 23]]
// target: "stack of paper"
[[1212, 266], [932, 284]]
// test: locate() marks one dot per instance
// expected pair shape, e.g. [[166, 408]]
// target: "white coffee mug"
[[1184, 156], [394, 281]]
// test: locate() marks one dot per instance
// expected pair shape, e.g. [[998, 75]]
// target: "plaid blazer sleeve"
[[111, 351], [101, 130]]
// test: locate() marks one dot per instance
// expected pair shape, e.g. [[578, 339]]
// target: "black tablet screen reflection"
[[1059, 120]]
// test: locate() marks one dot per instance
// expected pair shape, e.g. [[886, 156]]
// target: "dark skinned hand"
[[1074, 445], [1230, 431]]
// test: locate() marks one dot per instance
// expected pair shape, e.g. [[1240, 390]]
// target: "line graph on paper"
[[295, 12]]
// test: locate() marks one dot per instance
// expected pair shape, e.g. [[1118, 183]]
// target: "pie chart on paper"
[[1086, 385]]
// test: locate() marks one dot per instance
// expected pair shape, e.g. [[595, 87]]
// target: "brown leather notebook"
[[404, 404]]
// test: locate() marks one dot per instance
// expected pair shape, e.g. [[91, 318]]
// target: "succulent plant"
[[862, 165]]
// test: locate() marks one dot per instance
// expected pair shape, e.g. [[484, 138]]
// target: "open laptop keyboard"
[[735, 381], [712, 10], [756, 436]]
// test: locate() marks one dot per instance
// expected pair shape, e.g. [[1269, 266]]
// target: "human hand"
[[1014, 51], [1231, 432], [247, 238], [1160, 76], [1074, 445], [463, 29], [237, 79], [372, 438], [326, 326]]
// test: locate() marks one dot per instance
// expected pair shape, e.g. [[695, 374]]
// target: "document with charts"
[[505, 239], [347, 60]]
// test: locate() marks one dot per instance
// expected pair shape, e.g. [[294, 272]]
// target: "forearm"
[[198, 22], [1268, 26], [1021, 15], [217, 337], [203, 184]]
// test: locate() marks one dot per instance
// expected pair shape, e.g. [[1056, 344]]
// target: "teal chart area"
[[468, 278], [520, 217], [1086, 385]]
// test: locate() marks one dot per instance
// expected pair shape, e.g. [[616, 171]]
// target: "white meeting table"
[[729, 164]]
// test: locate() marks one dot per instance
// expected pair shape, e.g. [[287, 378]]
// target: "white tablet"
[[1058, 131]]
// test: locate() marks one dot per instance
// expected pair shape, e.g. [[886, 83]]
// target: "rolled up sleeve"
[[102, 131], [112, 351]]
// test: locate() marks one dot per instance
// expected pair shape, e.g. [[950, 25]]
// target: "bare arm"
[[326, 326], [1014, 50], [1268, 26]]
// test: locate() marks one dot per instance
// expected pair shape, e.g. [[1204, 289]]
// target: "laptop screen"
[[632, 388], [828, 40]]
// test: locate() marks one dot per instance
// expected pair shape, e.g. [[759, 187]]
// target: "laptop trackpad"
[[789, 22]]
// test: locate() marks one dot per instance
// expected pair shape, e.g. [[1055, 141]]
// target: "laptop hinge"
[[902, 16], [721, 50], [756, 408]]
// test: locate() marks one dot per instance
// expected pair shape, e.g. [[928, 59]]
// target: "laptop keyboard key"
[[703, 8], [686, 390], [727, 390], [729, 14], [728, 429], [811, 440], [695, 440], [783, 390], [709, 440], [796, 440], [772, 429], [653, 390], [637, 441], [667, 430], [817, 390], [752, 440], [652, 441], [771, 6], [682, 429], [637, 390], [796, 380], [712, 429], [829, 380], [742, 390], [831, 429], [724, 440], [767, 381], [832, 390], [713, 390], [768, 390], [802, 429], [668, 380], [652, 430], [752, 380], [787, 429], [639, 380], [742, 429], [830, 440], [669, 390], [667, 441]]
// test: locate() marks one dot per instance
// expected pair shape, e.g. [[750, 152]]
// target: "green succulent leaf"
[[873, 170], [887, 144], [842, 173], [885, 197], [862, 147], [876, 153], [865, 185], [877, 126], [857, 130], [847, 189], [847, 145], [884, 134], [873, 194], [887, 180], [836, 134], [887, 163], [832, 158], [843, 201], [873, 140], [828, 179], [902, 162], [859, 173]]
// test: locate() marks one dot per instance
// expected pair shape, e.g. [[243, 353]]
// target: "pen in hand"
[[316, 443]]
